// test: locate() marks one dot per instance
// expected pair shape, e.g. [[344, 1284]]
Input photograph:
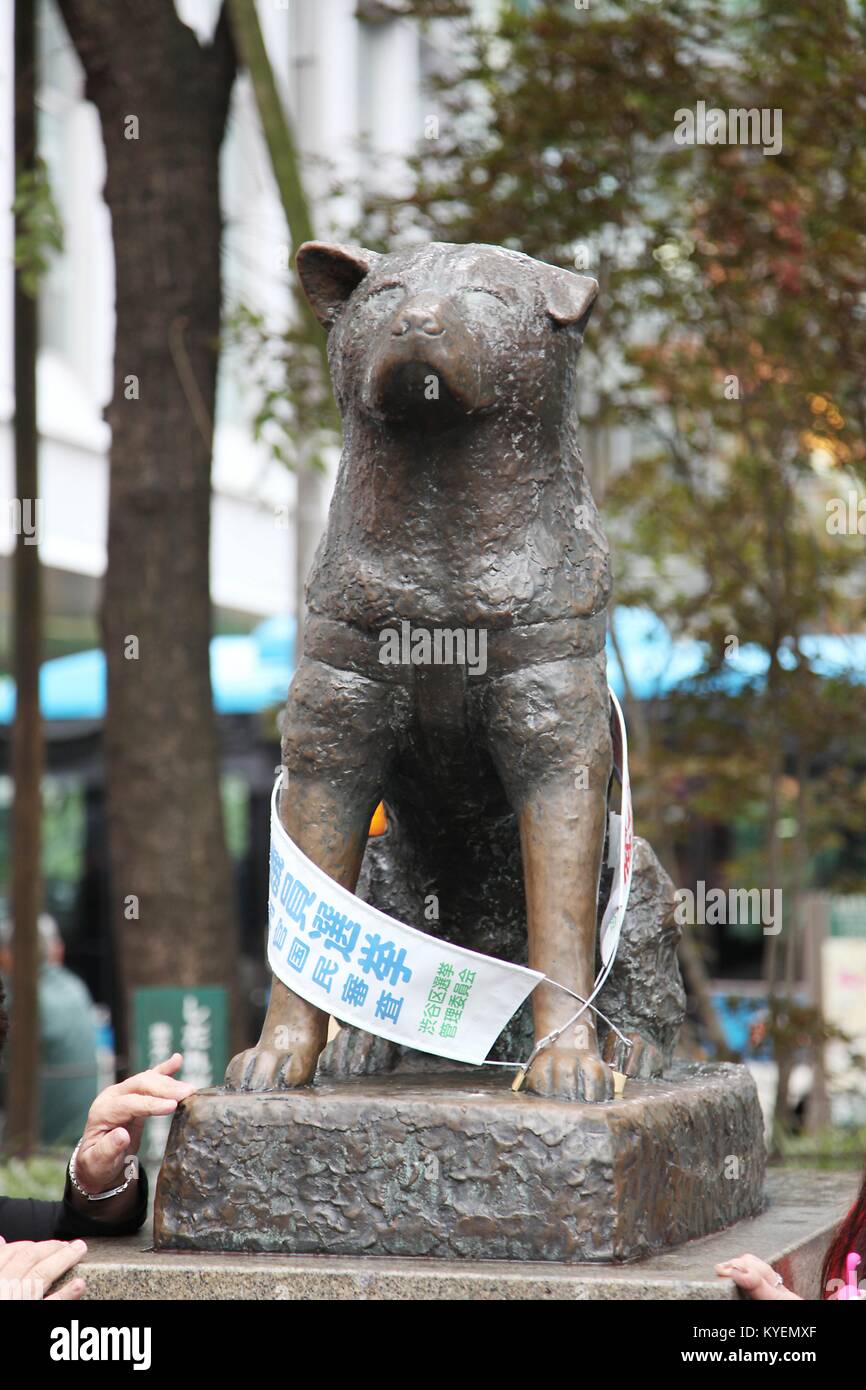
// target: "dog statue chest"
[[440, 557]]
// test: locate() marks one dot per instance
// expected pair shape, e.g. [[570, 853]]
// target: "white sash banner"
[[371, 970], [621, 843], [366, 968]]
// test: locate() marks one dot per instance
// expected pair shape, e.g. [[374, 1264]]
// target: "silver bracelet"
[[98, 1196]]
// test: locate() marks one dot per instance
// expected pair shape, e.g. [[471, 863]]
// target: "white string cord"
[[600, 981]]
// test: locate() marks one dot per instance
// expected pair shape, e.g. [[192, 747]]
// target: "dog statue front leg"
[[550, 738], [286, 1054], [562, 832], [295, 1032], [337, 734]]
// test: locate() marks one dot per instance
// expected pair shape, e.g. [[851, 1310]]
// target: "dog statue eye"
[[385, 299], [486, 307], [484, 294]]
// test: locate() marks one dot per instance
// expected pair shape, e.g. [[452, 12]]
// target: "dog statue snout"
[[422, 315]]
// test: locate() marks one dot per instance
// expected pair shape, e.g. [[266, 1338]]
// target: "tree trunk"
[[162, 100], [22, 1121], [816, 914], [781, 1126]]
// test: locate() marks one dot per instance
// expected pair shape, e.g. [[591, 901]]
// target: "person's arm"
[[111, 1139], [118, 1216], [24, 1218]]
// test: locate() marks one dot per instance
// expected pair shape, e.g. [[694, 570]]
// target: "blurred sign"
[[844, 990], [848, 915], [193, 1021]]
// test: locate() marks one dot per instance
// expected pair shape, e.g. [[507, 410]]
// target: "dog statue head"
[[442, 334]]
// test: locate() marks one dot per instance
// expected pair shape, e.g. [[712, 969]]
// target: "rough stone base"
[[792, 1233], [457, 1166]]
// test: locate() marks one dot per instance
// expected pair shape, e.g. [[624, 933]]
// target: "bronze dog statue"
[[461, 505]]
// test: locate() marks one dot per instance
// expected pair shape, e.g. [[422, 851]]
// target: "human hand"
[[29, 1267], [116, 1122], [755, 1277]]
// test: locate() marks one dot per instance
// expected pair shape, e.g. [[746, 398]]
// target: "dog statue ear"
[[569, 297], [329, 273]]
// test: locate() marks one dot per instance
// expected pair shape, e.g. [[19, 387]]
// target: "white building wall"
[[343, 77], [7, 184]]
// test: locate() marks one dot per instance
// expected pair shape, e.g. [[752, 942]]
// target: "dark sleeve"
[[21, 1218], [26, 1219]]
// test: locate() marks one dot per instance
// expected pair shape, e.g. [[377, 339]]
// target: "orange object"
[[379, 823]]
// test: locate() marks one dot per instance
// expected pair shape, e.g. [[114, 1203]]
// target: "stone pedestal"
[[456, 1166]]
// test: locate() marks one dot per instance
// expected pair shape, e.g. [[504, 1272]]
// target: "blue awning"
[[250, 673], [656, 664]]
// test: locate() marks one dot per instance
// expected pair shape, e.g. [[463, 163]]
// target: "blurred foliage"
[[63, 829], [62, 832], [234, 793], [293, 410], [730, 337], [831, 1149], [42, 1177], [40, 230]]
